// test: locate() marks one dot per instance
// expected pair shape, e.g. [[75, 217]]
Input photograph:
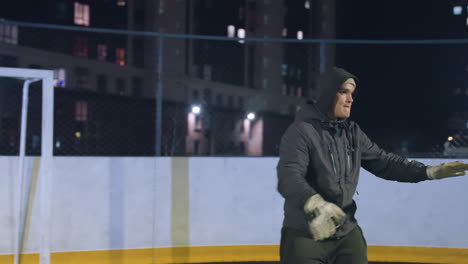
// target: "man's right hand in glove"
[[445, 170], [327, 217]]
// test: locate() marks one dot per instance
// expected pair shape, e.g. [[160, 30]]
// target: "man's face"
[[341, 107]]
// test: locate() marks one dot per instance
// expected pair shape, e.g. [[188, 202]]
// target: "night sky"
[[405, 90]]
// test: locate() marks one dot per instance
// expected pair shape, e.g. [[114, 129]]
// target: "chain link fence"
[[128, 93], [10, 123]]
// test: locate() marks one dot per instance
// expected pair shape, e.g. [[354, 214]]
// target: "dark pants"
[[295, 248]]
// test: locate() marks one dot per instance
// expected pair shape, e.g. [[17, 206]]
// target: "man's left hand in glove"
[[445, 170], [327, 217]]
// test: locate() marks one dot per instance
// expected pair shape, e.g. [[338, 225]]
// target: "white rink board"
[[103, 203]]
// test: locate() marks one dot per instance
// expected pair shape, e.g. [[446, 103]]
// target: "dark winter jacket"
[[318, 155]]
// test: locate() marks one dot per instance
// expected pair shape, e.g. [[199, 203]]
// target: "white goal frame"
[[46, 161]]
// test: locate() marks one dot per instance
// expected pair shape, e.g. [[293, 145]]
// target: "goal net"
[[26, 151]]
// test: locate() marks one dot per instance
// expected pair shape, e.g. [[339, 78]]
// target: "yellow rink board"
[[235, 254]]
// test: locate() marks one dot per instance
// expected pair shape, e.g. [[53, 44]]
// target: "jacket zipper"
[[332, 159], [339, 168], [348, 158]]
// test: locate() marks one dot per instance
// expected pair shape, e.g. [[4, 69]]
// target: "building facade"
[[101, 75]]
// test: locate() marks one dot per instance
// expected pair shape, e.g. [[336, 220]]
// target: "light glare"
[[196, 109]]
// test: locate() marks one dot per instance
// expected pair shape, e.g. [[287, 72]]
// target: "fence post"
[[323, 56], [159, 95]]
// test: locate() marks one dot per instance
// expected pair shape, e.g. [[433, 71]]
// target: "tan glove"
[[445, 170], [327, 217]]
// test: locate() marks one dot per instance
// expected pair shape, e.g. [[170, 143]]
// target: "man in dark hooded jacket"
[[321, 154]]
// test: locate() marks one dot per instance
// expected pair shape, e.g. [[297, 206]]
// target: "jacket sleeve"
[[388, 165], [293, 164]]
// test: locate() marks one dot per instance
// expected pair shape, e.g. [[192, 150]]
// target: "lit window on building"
[[231, 31], [59, 77], [241, 34], [9, 34], [300, 34], [121, 3], [101, 52], [81, 47], [81, 14], [120, 56], [81, 110], [284, 32], [457, 10], [307, 4]]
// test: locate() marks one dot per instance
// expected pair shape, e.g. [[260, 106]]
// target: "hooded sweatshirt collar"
[[328, 85]]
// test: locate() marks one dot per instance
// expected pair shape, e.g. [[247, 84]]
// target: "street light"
[[196, 109], [251, 116]]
